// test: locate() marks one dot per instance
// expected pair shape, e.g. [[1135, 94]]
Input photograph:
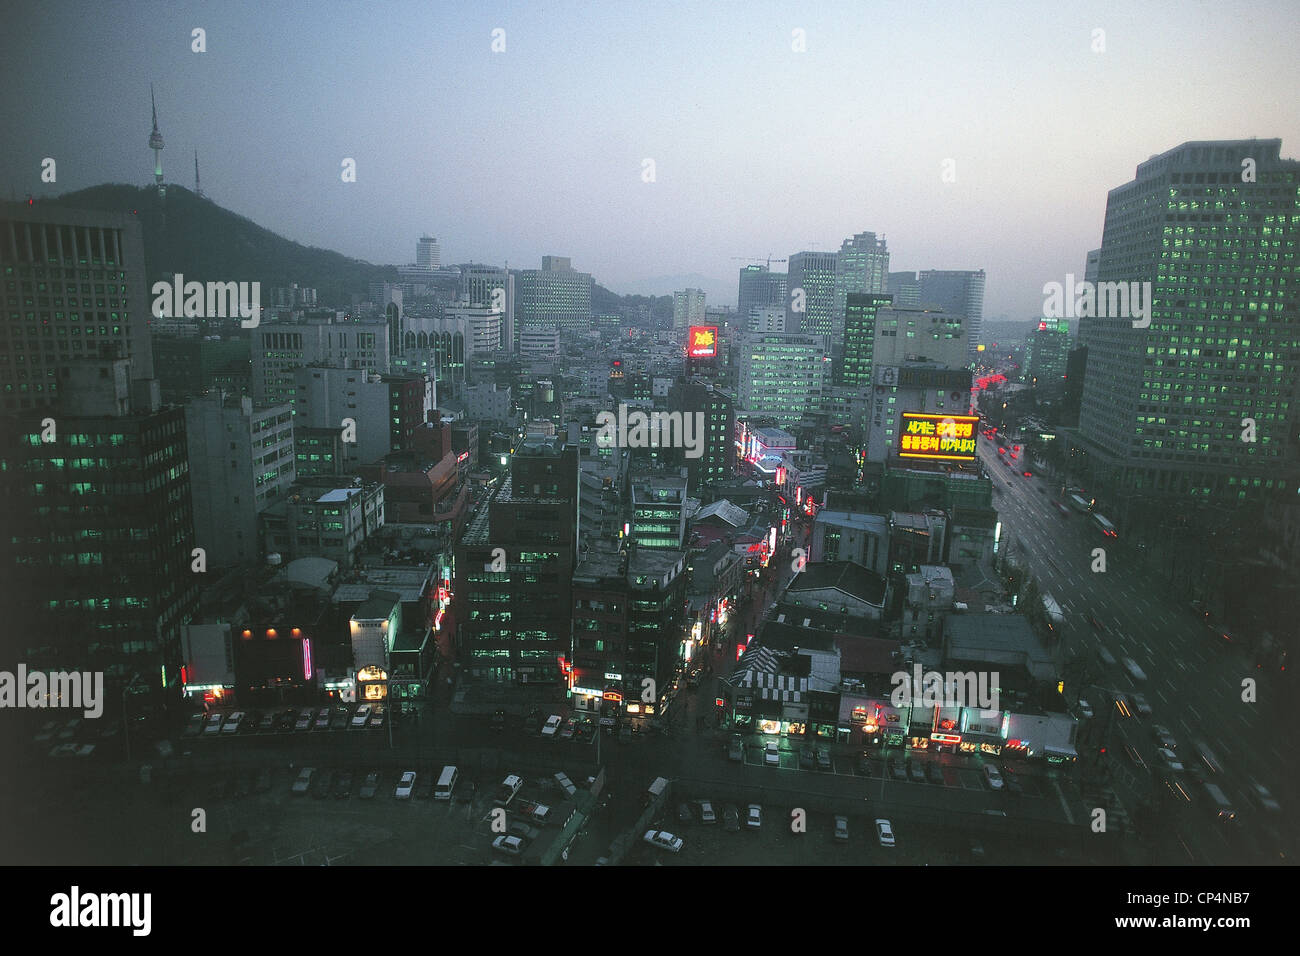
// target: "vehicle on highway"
[[1219, 804], [1102, 524], [663, 840], [1162, 734], [1134, 671], [405, 784], [1209, 760], [1261, 797], [1174, 789], [1141, 705], [736, 748], [730, 819], [1085, 709], [842, 828], [884, 833], [1061, 508], [771, 755], [1106, 656], [370, 787], [1028, 474], [993, 777], [754, 816], [1169, 759], [508, 843], [706, 813]]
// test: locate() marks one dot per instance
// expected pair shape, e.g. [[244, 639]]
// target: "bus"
[[1104, 525]]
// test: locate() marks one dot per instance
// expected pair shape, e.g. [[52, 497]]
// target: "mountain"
[[206, 242], [716, 291]]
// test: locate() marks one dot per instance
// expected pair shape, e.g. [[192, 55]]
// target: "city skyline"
[[798, 178]]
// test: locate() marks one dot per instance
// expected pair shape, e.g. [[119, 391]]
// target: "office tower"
[[718, 460], [760, 288], [280, 348], [813, 274], [384, 410], [554, 296], [782, 376], [862, 266], [911, 387], [1163, 406], [1089, 275], [494, 287], [241, 460], [427, 253], [75, 288], [905, 287], [920, 334], [1047, 350], [769, 318], [659, 511], [860, 311], [688, 308], [99, 532], [958, 292], [514, 570]]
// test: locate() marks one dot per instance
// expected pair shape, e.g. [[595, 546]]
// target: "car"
[[193, 727], [405, 785], [370, 787], [320, 784], [304, 719], [303, 783], [730, 818], [362, 716], [343, 785], [231, 726], [896, 769], [842, 829], [1169, 759], [916, 771], [522, 830], [1262, 798], [342, 717], [1136, 758], [532, 723], [322, 719], [706, 813], [1162, 734], [736, 748], [1029, 474], [567, 731], [884, 833], [552, 726], [684, 814], [993, 777], [378, 716], [1141, 704], [663, 840], [1085, 709], [499, 719], [1014, 785], [934, 772], [771, 755], [267, 723], [823, 759], [508, 843], [807, 759], [754, 816], [284, 721]]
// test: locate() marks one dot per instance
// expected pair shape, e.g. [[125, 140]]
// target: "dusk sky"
[[758, 149]]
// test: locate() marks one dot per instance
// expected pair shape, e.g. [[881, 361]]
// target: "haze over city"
[[758, 149]]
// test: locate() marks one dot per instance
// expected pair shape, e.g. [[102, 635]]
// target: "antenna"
[[197, 190]]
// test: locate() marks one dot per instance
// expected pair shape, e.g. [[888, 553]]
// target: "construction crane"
[[770, 260]]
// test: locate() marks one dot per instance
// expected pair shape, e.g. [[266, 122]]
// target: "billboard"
[[939, 437], [702, 341]]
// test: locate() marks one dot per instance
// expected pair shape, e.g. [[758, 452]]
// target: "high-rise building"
[[75, 288], [860, 310], [1047, 349], [862, 266], [920, 334], [1089, 275], [958, 292], [1163, 405], [782, 376], [280, 348], [688, 308], [718, 459], [427, 253], [768, 318], [493, 287], [760, 288], [811, 284], [241, 460], [905, 287], [554, 296]]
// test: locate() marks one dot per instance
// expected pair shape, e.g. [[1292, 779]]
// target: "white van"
[[446, 784]]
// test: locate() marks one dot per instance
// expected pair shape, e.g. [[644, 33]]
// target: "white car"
[[405, 786], [884, 833], [506, 843], [706, 812], [552, 725], [213, 725], [361, 716], [772, 755], [232, 722], [754, 816], [664, 840], [993, 776]]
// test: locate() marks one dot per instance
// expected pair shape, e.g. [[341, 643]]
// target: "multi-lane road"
[[1193, 681]]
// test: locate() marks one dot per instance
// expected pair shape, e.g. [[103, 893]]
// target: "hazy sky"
[[757, 148]]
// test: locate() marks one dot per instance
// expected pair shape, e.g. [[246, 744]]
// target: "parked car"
[[343, 785], [663, 840], [362, 716], [884, 833], [684, 813], [267, 723], [1169, 759], [1132, 753], [304, 719], [370, 787], [730, 819], [896, 769], [736, 748], [193, 727], [706, 813], [377, 716], [993, 777], [231, 726], [807, 759], [342, 717], [771, 755], [754, 816], [532, 723], [1261, 797], [284, 721], [320, 785], [916, 771], [823, 759], [322, 719], [842, 828], [552, 726], [303, 783], [506, 843], [1141, 705], [405, 785], [567, 731], [934, 772]]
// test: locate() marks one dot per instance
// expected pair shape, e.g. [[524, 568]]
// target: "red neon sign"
[[703, 341]]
